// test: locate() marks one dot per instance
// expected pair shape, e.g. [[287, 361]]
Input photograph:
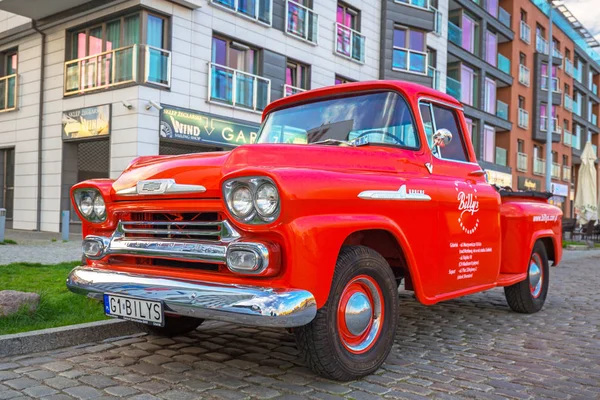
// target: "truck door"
[[469, 208]]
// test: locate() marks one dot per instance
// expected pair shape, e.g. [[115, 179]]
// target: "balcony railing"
[[525, 32], [555, 84], [117, 67], [539, 166], [576, 108], [576, 143], [437, 21], [289, 90], [567, 138], [454, 34], [522, 162], [578, 75], [453, 88], [523, 120], [257, 10], [568, 66], [349, 43], [409, 60], [503, 64], [541, 45], [435, 75], [568, 103], [501, 156], [555, 170], [301, 22], [594, 119], [556, 53], [504, 17], [595, 89], [238, 88], [566, 173], [544, 124], [502, 109], [8, 92], [415, 3], [595, 149], [524, 75]]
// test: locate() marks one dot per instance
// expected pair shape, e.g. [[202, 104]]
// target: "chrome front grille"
[[172, 230]]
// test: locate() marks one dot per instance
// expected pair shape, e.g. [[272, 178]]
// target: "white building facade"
[[86, 88]]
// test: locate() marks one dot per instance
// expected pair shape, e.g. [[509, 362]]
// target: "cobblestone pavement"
[[473, 347], [40, 247]]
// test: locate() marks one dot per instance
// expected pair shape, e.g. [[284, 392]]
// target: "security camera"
[[152, 103], [127, 104]]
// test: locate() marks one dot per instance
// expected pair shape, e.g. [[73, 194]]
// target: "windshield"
[[377, 117]]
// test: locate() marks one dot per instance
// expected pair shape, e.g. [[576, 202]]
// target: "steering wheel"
[[384, 133]]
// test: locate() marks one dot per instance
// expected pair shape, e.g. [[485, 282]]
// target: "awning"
[[586, 200]]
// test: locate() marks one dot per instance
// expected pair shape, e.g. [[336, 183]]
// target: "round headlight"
[[86, 205], [241, 201], [99, 206], [267, 199]]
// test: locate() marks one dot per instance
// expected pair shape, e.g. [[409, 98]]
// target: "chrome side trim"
[[160, 186], [249, 305], [400, 194]]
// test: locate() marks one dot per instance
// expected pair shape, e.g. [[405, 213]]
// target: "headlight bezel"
[[93, 193], [253, 183]]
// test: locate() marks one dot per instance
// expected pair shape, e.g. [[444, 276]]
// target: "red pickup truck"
[[349, 191]]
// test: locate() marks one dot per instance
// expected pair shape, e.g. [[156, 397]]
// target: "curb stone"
[[66, 336]]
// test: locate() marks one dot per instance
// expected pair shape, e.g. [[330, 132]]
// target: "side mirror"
[[442, 137]]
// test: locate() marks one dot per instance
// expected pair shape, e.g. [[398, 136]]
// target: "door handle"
[[478, 172]]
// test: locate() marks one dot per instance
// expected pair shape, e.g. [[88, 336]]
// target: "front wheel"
[[174, 326], [529, 296], [353, 333]]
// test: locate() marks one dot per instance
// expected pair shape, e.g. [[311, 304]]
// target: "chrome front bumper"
[[248, 305]]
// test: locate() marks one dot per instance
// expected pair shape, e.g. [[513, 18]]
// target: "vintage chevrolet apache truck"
[[349, 191]]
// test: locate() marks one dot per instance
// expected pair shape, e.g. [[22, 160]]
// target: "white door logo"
[[468, 205]]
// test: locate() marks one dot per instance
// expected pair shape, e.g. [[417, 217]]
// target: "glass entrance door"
[[7, 183]]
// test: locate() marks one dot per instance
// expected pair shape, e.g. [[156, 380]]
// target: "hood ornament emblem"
[[160, 186]]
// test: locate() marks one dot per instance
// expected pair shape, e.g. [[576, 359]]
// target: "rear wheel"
[[353, 333], [529, 295], [174, 326]]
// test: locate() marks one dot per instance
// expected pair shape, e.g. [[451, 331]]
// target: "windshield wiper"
[[360, 141]]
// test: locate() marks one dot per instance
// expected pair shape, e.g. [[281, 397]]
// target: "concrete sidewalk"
[[40, 247]]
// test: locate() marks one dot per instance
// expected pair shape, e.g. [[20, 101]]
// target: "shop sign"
[[195, 126], [524, 183], [560, 190], [86, 123], [498, 178]]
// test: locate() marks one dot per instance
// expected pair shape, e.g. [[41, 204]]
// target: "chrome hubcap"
[[358, 313], [535, 278]]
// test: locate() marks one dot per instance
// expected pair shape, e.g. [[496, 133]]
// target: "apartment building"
[[87, 86]]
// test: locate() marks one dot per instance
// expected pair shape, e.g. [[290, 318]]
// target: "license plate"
[[149, 312]]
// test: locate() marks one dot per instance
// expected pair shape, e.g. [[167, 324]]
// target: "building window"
[[301, 21], [117, 52], [349, 42], [521, 102], [523, 15], [489, 104], [491, 48], [520, 146], [296, 78], [468, 80], [339, 80], [432, 68], [522, 59], [233, 76], [491, 6], [470, 33], [409, 51], [489, 143], [257, 10], [8, 81]]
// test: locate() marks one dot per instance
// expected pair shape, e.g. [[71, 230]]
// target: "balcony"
[[593, 119], [301, 22], [238, 89], [118, 67], [503, 64], [524, 75], [555, 84], [8, 93], [435, 77], [289, 90], [523, 120], [539, 166], [504, 17], [415, 3], [453, 88], [568, 103], [555, 170], [566, 173], [595, 149], [437, 21], [409, 60], [350, 44], [541, 45], [595, 89], [260, 11], [454, 34], [501, 156], [577, 108], [576, 143], [567, 138], [502, 109], [568, 67], [578, 75], [522, 162], [544, 124], [556, 53], [525, 32]]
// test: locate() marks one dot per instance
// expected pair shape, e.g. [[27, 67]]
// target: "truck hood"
[[208, 169]]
